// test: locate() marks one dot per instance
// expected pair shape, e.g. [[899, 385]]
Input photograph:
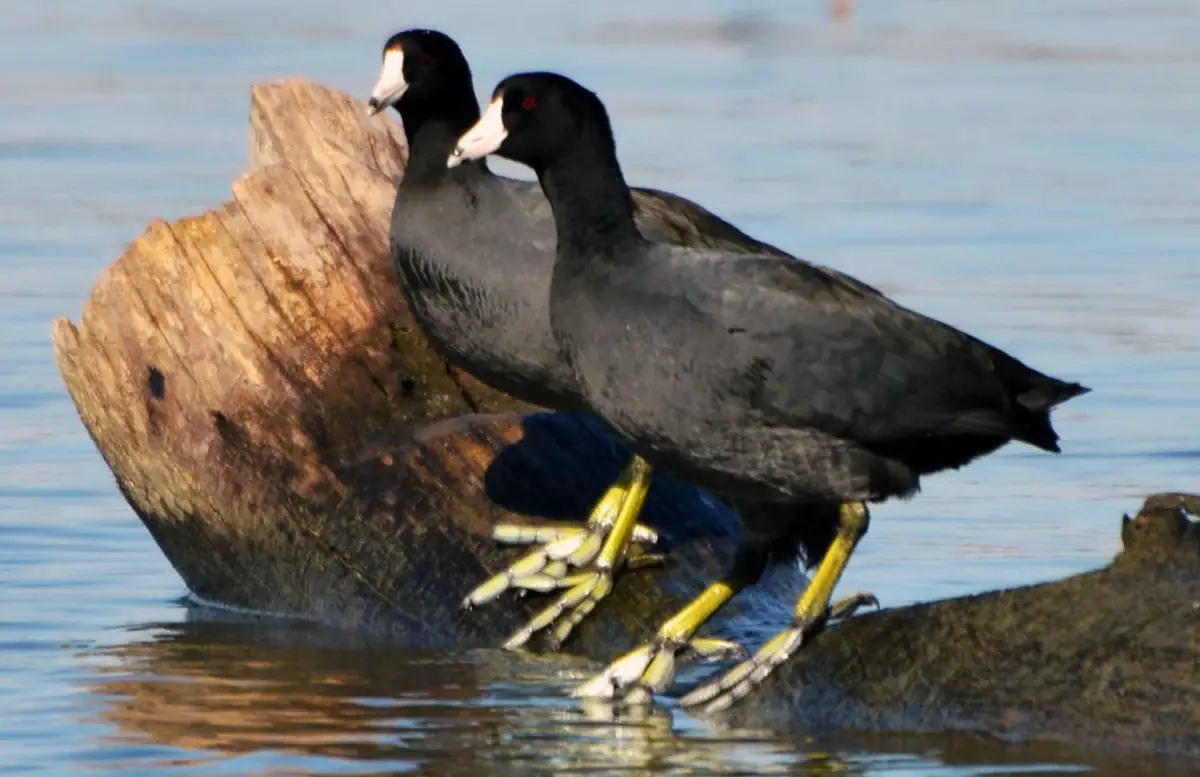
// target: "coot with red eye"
[[475, 252], [766, 379]]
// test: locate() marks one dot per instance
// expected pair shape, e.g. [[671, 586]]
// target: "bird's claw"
[[547, 568], [719, 694], [561, 617], [634, 678]]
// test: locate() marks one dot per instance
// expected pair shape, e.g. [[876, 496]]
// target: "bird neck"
[[432, 128], [593, 208]]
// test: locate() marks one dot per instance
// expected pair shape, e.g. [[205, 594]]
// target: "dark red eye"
[[529, 103], [427, 60]]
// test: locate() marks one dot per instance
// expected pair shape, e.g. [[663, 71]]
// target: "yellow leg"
[[649, 669], [590, 588], [812, 611], [562, 547]]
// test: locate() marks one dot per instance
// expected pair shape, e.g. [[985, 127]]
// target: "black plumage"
[[762, 376], [475, 250], [778, 384]]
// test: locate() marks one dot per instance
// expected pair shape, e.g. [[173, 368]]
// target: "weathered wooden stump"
[[271, 412]]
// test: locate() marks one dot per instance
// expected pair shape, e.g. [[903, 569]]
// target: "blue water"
[[1024, 170]]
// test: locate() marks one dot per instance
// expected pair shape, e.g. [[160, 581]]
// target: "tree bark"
[[293, 443]]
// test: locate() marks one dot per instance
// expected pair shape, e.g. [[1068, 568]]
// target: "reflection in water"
[[250, 694], [229, 689]]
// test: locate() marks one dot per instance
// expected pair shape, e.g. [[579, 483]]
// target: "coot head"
[[419, 66], [534, 119]]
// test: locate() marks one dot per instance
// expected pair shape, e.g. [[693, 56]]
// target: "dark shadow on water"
[[1184, 454], [1118, 455]]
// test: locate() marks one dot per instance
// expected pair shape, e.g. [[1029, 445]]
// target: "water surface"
[[1025, 170]]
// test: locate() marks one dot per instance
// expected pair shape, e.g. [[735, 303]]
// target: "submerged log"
[[272, 414], [1110, 656]]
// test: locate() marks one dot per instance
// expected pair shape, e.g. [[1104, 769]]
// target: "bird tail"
[[1035, 395]]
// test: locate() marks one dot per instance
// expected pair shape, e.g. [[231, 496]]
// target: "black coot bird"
[[773, 382], [475, 251]]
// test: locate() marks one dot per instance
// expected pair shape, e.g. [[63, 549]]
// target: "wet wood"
[[270, 411]]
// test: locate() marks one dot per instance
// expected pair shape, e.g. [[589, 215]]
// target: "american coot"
[[769, 380], [475, 251]]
